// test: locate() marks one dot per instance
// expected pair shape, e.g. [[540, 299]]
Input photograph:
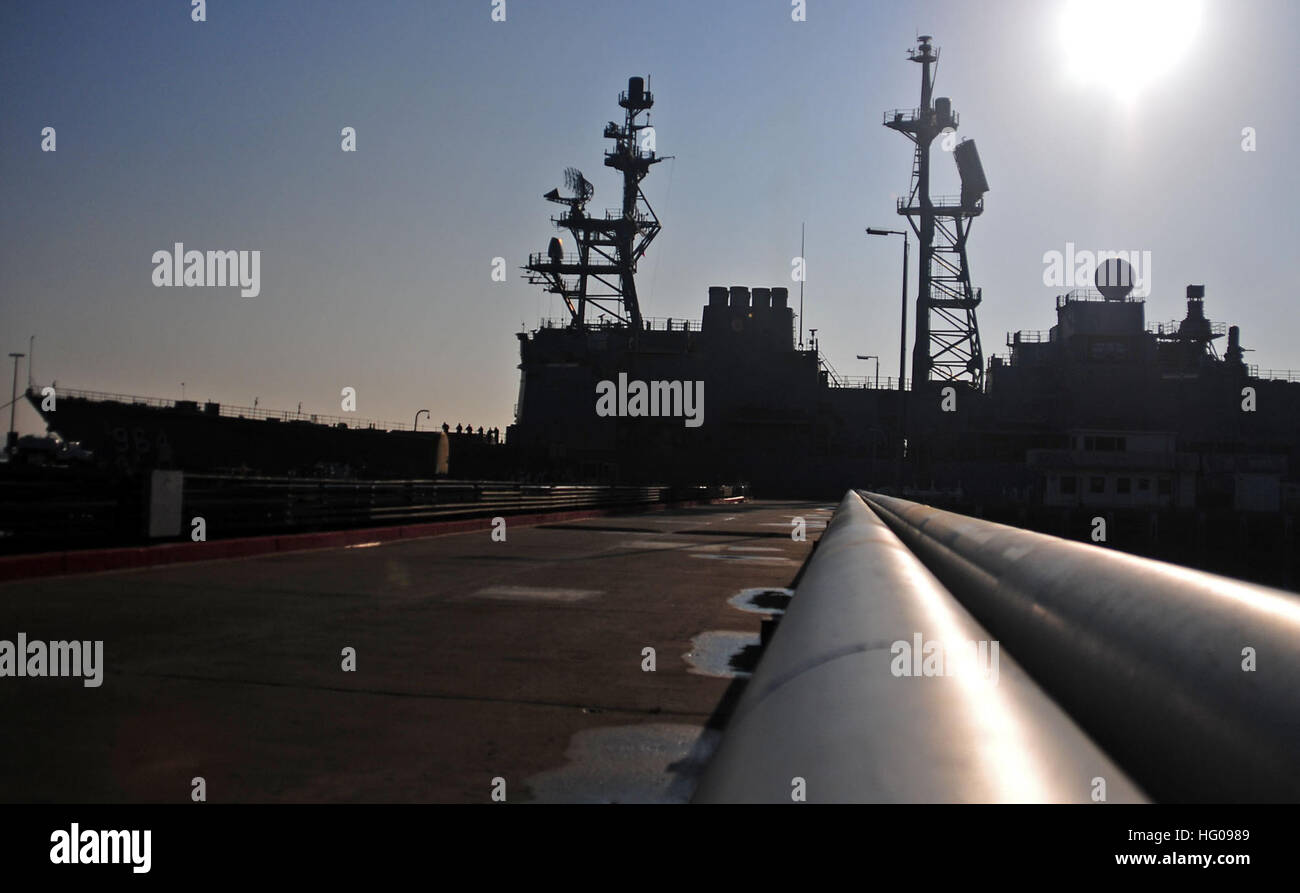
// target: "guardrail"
[[200, 407], [1289, 375], [244, 506], [1187, 679], [51, 511], [830, 716], [869, 382], [1174, 326]]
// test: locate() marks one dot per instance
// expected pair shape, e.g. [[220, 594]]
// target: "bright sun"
[[1125, 45]]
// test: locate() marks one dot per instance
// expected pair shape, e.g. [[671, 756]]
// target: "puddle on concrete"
[[535, 593], [651, 544], [762, 601], [753, 559], [649, 763], [725, 653]]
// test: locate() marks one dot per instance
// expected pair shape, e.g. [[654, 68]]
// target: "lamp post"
[[877, 359], [12, 443], [902, 353], [416, 426]]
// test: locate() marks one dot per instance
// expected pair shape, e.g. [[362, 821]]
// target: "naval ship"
[[1101, 412]]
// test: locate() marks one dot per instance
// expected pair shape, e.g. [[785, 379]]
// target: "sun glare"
[[1126, 45]]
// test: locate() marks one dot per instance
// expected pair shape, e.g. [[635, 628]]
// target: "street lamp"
[[902, 336], [12, 444], [902, 352], [877, 359], [416, 426]]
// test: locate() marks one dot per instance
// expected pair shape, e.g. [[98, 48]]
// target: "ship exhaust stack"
[[1234, 356], [947, 346]]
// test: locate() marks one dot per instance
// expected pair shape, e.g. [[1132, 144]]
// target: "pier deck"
[[475, 660]]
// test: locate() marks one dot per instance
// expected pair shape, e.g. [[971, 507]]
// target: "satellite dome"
[[1114, 279]]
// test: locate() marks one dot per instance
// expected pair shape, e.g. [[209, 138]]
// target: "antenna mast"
[[803, 274], [947, 346], [602, 274]]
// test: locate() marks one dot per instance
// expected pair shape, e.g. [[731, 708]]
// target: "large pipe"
[[828, 708], [1187, 679]]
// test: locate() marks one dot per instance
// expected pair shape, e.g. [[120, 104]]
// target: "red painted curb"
[[90, 561]]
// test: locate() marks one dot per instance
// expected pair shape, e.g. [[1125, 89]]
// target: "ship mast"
[[947, 346], [602, 272]]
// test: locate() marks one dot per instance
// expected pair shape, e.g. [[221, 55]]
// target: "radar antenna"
[[602, 272], [947, 346]]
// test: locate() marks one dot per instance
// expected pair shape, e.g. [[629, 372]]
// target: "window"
[[1096, 485], [1069, 485], [1123, 485], [1166, 487], [1144, 484], [1107, 444]]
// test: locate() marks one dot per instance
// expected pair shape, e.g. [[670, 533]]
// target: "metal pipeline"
[[1189, 680], [874, 690]]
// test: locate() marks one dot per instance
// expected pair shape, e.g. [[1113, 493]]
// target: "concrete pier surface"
[[517, 668]]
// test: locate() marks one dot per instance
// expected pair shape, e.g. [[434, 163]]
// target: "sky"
[[376, 264]]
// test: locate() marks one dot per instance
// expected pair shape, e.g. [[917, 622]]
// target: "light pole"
[[11, 444], [902, 353], [416, 426], [877, 359]]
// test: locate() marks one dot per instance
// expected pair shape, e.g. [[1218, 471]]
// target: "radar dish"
[[1114, 279], [578, 184]]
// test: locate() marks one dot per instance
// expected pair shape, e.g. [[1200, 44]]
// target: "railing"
[[1273, 374], [1086, 295], [1172, 327], [866, 381], [47, 511], [545, 261], [898, 115], [904, 203], [244, 412], [670, 324], [651, 323], [907, 116], [1028, 337], [241, 506]]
